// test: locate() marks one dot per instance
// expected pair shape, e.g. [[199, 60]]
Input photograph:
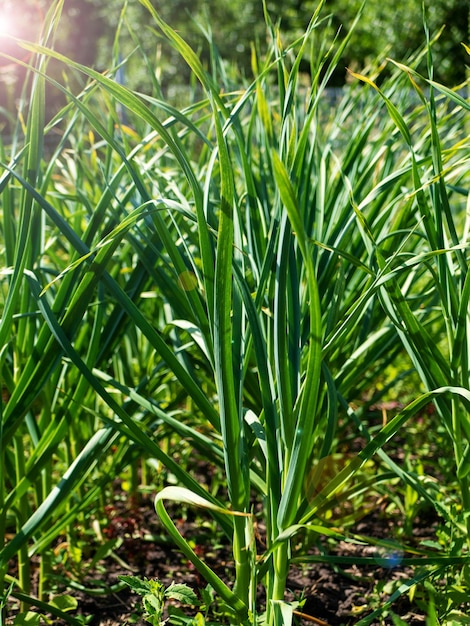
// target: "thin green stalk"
[[22, 513]]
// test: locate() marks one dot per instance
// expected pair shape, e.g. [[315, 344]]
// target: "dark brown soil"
[[333, 595]]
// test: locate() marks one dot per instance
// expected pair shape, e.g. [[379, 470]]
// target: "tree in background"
[[395, 29], [386, 28]]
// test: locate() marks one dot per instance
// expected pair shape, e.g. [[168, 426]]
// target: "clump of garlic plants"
[[235, 274]]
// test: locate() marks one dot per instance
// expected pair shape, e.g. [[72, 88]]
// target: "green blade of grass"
[[306, 406]]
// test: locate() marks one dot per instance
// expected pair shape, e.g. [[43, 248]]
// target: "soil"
[[333, 596], [129, 540]]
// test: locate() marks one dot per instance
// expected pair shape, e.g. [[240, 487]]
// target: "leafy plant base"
[[333, 597]]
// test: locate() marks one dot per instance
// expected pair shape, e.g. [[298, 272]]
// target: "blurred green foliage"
[[387, 29]]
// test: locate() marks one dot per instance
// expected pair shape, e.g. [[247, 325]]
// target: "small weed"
[[155, 597]]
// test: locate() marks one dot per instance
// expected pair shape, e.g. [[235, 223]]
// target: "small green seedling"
[[154, 596]]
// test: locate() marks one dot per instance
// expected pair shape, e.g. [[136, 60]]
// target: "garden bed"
[[333, 596]]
